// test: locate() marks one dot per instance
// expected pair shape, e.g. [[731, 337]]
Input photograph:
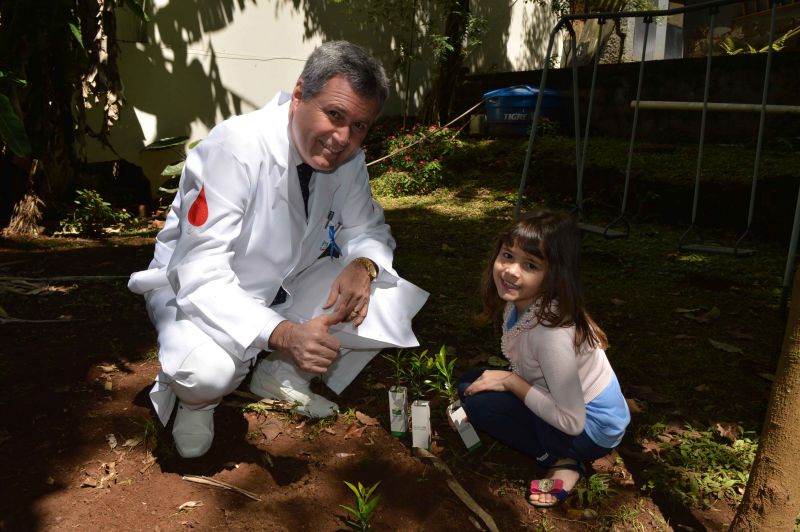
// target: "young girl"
[[561, 403]]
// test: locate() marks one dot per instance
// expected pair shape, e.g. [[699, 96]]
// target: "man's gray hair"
[[356, 64]]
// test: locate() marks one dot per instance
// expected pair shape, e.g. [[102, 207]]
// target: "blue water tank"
[[509, 111]]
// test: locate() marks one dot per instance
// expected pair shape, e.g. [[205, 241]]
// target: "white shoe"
[[292, 388], [193, 431]]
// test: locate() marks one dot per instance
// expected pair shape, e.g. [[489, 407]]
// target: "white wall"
[[198, 62]]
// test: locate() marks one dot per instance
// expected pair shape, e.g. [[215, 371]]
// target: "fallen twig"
[[219, 484], [4, 321], [460, 492]]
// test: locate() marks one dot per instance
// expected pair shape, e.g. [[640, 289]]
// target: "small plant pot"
[[421, 424], [398, 410], [458, 419]]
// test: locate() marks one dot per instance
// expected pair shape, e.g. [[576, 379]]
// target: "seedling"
[[595, 488], [398, 395], [443, 378], [444, 384], [397, 362], [364, 511], [348, 416], [149, 433], [421, 373]]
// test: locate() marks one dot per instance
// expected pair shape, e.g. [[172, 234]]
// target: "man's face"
[[328, 128]]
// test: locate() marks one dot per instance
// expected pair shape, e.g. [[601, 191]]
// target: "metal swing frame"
[[609, 230], [580, 153]]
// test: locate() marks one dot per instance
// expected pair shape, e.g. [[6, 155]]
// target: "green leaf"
[[349, 509], [371, 505], [193, 144], [137, 10], [173, 169], [4, 74], [352, 488], [166, 143], [12, 130], [76, 32]]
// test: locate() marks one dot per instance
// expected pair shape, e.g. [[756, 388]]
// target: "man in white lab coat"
[[237, 266]]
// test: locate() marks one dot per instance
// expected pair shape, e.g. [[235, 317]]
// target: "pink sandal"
[[549, 486], [553, 486]]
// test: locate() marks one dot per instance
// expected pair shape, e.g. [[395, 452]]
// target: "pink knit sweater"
[[562, 383]]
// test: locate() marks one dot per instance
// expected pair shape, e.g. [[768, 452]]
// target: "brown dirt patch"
[[68, 385]]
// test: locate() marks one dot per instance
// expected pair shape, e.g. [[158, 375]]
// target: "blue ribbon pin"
[[334, 247]]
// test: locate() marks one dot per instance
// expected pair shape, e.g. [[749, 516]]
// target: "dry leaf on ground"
[[728, 431], [112, 441], [132, 442], [712, 314], [366, 420], [635, 405], [189, 505], [354, 431], [109, 472], [271, 430], [728, 348]]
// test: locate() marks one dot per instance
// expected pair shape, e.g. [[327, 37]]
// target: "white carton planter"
[[398, 410], [458, 417], [421, 425]]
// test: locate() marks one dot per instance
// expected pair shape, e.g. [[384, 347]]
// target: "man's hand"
[[309, 343], [350, 292]]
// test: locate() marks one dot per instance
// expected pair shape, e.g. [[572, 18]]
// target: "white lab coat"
[[226, 271]]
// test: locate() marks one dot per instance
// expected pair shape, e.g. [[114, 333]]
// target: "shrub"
[[416, 167], [92, 215]]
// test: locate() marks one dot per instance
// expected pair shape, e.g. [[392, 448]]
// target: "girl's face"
[[518, 276]]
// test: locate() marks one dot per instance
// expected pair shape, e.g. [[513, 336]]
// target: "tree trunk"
[[435, 107], [772, 498]]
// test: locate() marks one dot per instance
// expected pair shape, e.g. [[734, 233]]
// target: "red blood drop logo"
[[198, 214]]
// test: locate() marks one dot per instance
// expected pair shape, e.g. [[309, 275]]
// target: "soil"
[[78, 448]]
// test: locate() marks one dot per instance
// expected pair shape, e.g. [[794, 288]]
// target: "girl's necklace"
[[525, 322]]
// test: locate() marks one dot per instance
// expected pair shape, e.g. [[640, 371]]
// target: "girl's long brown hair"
[[553, 237]]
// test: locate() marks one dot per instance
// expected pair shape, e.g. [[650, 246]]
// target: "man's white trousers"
[[199, 372]]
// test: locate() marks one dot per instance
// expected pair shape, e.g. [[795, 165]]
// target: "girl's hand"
[[492, 380]]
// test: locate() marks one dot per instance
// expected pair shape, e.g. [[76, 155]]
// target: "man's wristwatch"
[[368, 265]]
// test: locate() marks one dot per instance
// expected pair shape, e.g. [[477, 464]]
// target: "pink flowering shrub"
[[415, 166]]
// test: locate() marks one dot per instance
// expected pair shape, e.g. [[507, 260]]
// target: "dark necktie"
[[304, 172]]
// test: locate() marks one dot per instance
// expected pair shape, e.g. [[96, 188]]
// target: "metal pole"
[[536, 112], [710, 45], [787, 275], [763, 115], [579, 197], [717, 107], [576, 110], [647, 21]]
